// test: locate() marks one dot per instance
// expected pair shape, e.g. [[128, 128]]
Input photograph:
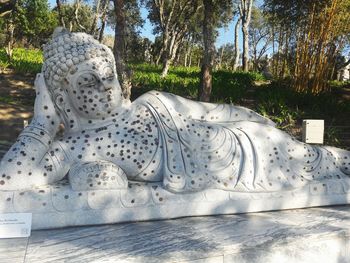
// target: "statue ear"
[[66, 112], [66, 82], [59, 101]]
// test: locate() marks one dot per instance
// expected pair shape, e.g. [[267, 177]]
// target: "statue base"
[[302, 235], [58, 205]]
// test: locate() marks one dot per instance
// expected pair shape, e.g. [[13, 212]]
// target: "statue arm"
[[211, 112], [33, 160]]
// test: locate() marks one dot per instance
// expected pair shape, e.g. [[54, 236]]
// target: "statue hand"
[[45, 113]]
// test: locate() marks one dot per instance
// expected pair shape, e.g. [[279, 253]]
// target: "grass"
[[27, 61], [7, 99], [228, 86]]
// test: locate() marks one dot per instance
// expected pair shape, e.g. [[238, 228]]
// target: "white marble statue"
[[161, 156]]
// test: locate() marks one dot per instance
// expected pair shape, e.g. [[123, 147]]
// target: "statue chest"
[[133, 145]]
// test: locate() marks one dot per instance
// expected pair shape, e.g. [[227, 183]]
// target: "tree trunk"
[[166, 66], [190, 61], [59, 11], [169, 56], [159, 57], [245, 11], [102, 29], [245, 58], [76, 14], [219, 65], [209, 51], [188, 55], [119, 49], [237, 51], [103, 20], [9, 37], [6, 7], [93, 29]]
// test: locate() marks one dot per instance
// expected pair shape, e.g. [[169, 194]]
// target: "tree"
[[226, 56], [237, 52], [259, 37], [216, 13], [104, 12], [76, 17], [119, 48], [172, 20], [37, 22], [59, 11], [311, 34], [100, 8], [245, 10], [29, 21], [127, 18], [6, 6], [209, 51]]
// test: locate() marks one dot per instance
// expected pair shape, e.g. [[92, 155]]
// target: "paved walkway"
[[303, 235]]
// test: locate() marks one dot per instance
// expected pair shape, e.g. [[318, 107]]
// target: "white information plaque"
[[15, 225]]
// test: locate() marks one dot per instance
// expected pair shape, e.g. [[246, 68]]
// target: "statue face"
[[94, 88]]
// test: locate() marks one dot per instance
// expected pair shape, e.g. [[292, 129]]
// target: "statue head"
[[81, 76]]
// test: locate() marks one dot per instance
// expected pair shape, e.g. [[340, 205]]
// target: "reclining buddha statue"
[[160, 156]]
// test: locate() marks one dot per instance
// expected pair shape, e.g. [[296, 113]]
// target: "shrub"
[[23, 60], [227, 86]]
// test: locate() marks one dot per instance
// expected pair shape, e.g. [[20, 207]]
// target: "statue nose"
[[105, 87], [108, 87]]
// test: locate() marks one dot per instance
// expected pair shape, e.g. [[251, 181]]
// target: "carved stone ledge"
[[302, 235], [60, 206]]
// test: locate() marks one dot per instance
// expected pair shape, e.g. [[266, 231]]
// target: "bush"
[[181, 81], [23, 60], [227, 86], [283, 105]]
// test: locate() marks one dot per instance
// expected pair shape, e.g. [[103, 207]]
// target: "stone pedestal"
[[302, 235]]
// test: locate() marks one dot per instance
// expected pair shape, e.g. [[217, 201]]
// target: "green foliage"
[[180, 80], [7, 99], [231, 87], [286, 107], [184, 81], [23, 60], [38, 21], [85, 15], [33, 22], [336, 84], [4, 63], [331, 136]]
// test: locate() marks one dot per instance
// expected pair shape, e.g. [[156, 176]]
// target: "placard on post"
[[13, 225], [313, 131]]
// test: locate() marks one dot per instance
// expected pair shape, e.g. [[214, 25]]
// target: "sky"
[[226, 35]]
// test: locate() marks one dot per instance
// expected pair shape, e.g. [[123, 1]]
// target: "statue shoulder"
[[155, 94]]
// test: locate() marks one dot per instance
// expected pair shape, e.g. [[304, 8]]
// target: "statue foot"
[[99, 175]]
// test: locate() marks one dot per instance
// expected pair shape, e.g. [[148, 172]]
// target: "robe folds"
[[235, 155]]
